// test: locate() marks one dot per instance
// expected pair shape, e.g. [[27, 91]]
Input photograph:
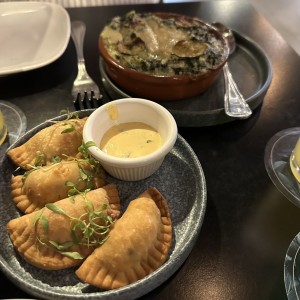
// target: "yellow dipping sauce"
[[132, 139]]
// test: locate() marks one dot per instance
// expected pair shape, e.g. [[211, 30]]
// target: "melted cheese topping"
[[166, 37], [112, 35], [132, 139]]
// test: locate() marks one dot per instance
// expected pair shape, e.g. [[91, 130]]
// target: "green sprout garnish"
[[56, 159], [74, 190], [89, 169], [70, 115], [90, 229], [83, 149], [71, 128], [40, 159]]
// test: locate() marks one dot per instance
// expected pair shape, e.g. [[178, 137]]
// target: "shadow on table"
[[40, 79]]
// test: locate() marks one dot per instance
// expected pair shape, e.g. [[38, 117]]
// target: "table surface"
[[248, 224]]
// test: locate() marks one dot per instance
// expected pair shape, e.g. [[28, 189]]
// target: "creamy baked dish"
[[166, 46]]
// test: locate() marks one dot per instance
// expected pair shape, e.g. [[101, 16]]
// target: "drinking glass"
[[295, 161], [3, 128], [282, 161], [13, 123]]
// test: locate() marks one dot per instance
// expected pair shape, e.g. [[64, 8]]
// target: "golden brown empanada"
[[48, 184], [33, 235], [137, 245], [60, 139]]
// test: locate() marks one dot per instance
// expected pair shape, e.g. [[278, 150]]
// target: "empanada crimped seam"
[[138, 244], [48, 184], [49, 142], [23, 233]]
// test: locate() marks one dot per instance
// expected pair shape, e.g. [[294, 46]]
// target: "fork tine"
[[84, 101], [76, 102], [96, 99], [96, 94], [84, 89], [95, 103]]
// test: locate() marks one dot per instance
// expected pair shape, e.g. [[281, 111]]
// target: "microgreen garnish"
[[40, 159], [89, 230], [89, 169], [69, 129], [70, 115], [92, 227], [83, 149], [56, 159]]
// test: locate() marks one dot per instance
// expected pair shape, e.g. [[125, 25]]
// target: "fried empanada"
[[53, 238], [58, 140], [48, 184], [138, 244]]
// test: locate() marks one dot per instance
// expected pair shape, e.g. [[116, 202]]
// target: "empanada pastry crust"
[[48, 184], [50, 142], [138, 244], [24, 232]]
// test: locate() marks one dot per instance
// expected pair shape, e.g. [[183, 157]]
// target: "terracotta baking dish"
[[163, 88]]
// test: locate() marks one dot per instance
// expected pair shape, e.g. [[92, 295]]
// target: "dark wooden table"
[[248, 224]]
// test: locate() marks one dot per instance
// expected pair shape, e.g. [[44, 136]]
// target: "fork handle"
[[78, 32]]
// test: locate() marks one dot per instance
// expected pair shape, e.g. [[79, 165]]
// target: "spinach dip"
[[151, 43]]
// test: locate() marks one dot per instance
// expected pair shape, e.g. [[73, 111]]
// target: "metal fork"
[[85, 92]]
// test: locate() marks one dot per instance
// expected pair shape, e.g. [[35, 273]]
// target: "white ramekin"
[[131, 110]]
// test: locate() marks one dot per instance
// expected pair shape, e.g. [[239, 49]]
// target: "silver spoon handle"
[[234, 102]]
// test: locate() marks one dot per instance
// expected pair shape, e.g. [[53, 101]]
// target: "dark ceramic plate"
[[251, 70], [180, 179]]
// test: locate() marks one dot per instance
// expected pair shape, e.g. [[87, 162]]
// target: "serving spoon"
[[234, 103]]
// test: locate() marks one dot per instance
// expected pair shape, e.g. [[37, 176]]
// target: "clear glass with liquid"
[[3, 128], [295, 161]]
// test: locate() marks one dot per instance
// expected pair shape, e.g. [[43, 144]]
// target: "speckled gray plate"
[[180, 179]]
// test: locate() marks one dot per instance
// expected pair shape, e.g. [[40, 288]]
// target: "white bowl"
[[131, 110]]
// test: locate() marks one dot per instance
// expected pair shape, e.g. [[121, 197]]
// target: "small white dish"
[[131, 110], [32, 35]]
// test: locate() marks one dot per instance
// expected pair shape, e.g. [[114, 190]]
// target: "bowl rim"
[[124, 162], [110, 60]]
